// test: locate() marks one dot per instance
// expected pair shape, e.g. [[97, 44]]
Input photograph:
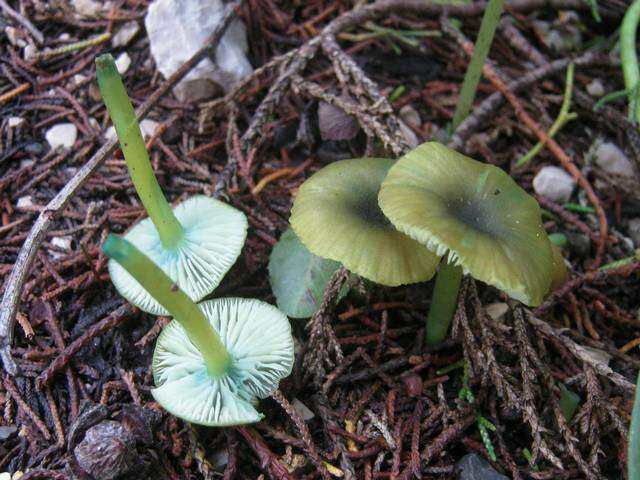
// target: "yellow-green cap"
[[336, 215], [475, 213]]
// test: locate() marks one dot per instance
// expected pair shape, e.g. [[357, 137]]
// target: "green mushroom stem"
[[179, 305], [443, 302], [135, 153]]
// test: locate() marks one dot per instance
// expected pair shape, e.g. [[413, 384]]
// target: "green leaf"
[[298, 277], [569, 402]]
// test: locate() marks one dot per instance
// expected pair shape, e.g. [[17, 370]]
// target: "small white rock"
[[302, 410], [123, 62], [62, 135], [595, 88], [611, 159], [87, 8], [17, 475], [192, 21], [5, 476], [409, 135], [30, 52], [13, 35], [496, 310], [78, 78], [634, 231], [24, 202], [554, 183], [125, 34], [64, 37], [219, 459], [410, 116], [110, 133], [148, 127], [63, 243], [15, 121]]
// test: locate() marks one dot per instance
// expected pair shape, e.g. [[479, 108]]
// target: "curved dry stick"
[[55, 207]]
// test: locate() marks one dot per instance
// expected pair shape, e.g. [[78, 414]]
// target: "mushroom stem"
[[184, 310], [135, 152], [443, 302]]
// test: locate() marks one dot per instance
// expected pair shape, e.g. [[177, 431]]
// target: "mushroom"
[[474, 215], [214, 360], [195, 243], [336, 216]]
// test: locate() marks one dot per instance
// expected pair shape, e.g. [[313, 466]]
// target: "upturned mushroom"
[[476, 217], [336, 215], [214, 360], [194, 243]]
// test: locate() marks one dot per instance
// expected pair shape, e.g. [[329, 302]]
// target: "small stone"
[[219, 459], [62, 135], [15, 121], [87, 8], [25, 202], [18, 475], [30, 52], [496, 310], [110, 133], [5, 476], [409, 135], [335, 124], [123, 62], [148, 127], [78, 78], [634, 231], [595, 88], [13, 35], [107, 451], [554, 183], [611, 159], [192, 21], [7, 430], [474, 467], [302, 410], [63, 243], [411, 117], [125, 34], [412, 384], [579, 242]]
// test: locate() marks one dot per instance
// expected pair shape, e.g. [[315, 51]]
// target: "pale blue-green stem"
[[443, 301], [135, 152], [178, 304]]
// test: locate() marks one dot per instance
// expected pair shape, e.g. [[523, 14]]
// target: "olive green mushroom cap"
[[475, 213], [258, 339], [214, 234], [336, 216]]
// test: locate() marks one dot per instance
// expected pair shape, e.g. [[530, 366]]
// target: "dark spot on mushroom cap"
[[473, 214], [366, 207]]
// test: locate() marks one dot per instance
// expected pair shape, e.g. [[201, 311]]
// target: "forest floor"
[[382, 405]]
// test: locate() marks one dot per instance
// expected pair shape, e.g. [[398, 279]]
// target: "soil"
[[384, 405]]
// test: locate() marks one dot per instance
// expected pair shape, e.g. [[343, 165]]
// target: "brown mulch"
[[385, 406]]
